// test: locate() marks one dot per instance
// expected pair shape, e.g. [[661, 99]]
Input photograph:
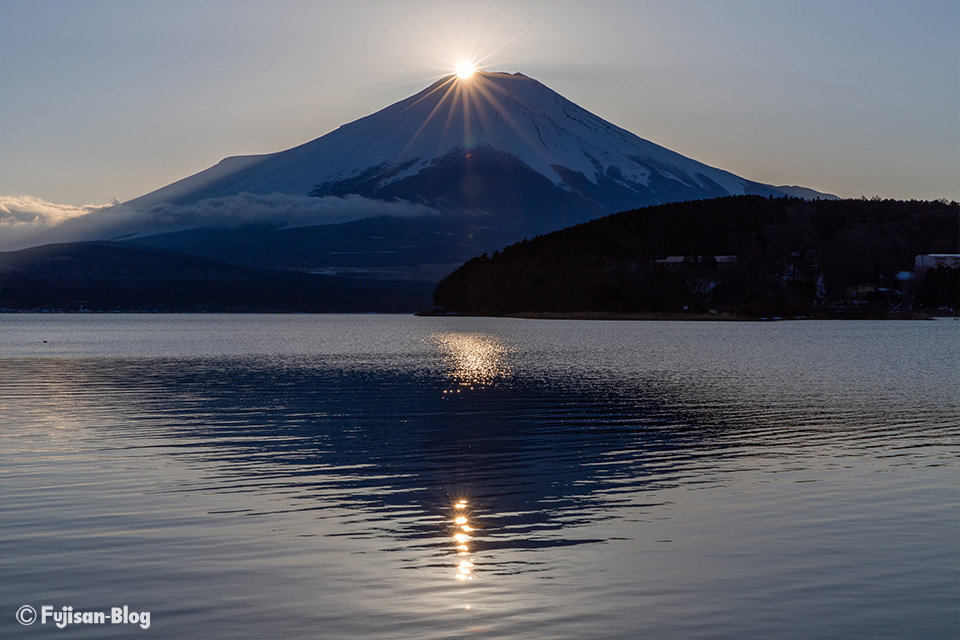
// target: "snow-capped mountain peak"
[[495, 142]]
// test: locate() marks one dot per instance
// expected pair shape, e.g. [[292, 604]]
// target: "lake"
[[369, 476]]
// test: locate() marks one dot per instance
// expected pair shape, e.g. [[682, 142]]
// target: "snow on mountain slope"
[[509, 119]]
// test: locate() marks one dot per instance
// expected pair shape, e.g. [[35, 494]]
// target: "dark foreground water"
[[400, 477]]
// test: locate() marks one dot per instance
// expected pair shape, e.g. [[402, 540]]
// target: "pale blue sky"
[[103, 99]]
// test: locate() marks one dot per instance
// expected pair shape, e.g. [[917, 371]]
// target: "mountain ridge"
[[513, 116], [462, 167]]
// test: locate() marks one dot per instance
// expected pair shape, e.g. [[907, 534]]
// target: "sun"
[[465, 70]]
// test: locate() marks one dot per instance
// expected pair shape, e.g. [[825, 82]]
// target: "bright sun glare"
[[465, 70]]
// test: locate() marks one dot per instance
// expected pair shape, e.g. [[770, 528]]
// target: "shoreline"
[[647, 316], [666, 316]]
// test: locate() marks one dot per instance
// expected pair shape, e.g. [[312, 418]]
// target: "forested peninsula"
[[740, 256]]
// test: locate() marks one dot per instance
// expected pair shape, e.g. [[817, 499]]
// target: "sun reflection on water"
[[474, 360], [461, 526]]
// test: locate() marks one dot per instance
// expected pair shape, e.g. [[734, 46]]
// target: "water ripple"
[[744, 475]]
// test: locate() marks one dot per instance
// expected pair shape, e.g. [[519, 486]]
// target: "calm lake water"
[[252, 476]]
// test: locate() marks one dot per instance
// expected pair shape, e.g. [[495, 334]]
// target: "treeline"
[[112, 276], [747, 255]]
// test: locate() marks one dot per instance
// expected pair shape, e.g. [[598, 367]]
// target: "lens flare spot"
[[465, 69]]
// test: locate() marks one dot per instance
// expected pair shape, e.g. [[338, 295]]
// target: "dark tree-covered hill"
[[104, 276], [747, 255]]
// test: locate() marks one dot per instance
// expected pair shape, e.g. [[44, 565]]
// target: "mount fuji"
[[485, 160]]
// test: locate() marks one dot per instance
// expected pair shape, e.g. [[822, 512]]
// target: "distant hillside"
[[103, 276], [746, 255], [372, 243]]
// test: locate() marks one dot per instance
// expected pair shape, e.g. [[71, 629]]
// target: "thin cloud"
[[30, 212], [27, 221]]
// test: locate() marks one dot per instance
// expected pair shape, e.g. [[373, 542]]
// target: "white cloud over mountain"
[[27, 221], [29, 212]]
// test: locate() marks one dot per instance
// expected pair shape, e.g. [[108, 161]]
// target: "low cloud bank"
[[26, 221], [18, 212]]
